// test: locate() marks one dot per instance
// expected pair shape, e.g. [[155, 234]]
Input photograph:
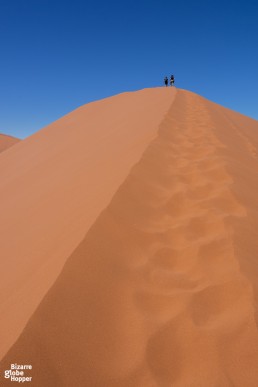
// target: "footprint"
[[163, 354], [226, 204], [203, 191], [166, 258], [210, 304], [218, 175], [206, 226]]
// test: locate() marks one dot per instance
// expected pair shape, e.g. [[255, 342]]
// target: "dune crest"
[[162, 290]]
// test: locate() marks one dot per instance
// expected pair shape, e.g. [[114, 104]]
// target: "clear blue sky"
[[57, 55]]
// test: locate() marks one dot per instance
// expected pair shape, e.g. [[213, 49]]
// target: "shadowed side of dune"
[[157, 294], [7, 141]]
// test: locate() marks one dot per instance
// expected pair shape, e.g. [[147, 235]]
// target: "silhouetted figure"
[[166, 81], [172, 80]]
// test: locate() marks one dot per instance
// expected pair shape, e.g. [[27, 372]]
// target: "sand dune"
[[7, 141], [54, 184], [162, 289]]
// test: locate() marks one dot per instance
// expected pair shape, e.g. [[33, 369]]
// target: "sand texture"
[[7, 141], [130, 247], [53, 186]]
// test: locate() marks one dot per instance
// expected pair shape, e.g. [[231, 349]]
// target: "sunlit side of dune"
[[55, 183]]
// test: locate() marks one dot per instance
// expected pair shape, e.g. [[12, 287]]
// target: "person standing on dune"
[[172, 80], [166, 81]]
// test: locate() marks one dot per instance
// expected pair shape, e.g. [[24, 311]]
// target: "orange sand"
[[7, 141], [141, 211]]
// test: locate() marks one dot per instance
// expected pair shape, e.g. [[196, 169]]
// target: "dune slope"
[[7, 141], [54, 184], [162, 290]]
